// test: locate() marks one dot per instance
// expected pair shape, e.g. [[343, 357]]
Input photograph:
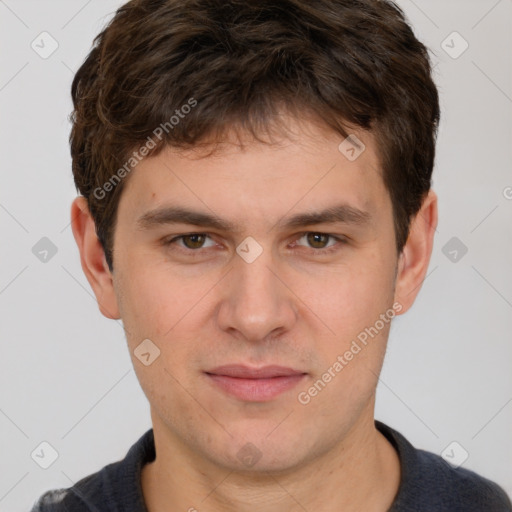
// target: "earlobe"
[[92, 258], [415, 257]]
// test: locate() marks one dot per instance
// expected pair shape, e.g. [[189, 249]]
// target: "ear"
[[415, 257], [93, 259]]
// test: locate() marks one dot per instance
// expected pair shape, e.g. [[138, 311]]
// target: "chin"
[[262, 453]]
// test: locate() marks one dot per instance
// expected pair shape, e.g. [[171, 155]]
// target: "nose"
[[256, 303]]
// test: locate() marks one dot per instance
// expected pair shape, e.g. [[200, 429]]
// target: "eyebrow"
[[342, 213]]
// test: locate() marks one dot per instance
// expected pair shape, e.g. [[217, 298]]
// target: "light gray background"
[[66, 376]]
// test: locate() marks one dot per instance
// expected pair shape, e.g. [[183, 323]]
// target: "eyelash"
[[327, 250]]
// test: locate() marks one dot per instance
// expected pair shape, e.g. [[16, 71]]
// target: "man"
[[256, 207]]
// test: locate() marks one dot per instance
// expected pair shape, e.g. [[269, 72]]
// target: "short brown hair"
[[240, 61]]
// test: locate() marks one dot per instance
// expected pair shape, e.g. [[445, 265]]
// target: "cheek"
[[154, 300], [351, 305], [353, 296]]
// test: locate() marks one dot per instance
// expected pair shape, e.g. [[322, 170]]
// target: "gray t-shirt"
[[428, 484]]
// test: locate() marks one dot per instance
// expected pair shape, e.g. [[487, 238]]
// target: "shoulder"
[[460, 488], [114, 487], [429, 483], [74, 499], [50, 501]]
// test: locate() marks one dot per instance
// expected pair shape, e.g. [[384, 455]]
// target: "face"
[[276, 262]]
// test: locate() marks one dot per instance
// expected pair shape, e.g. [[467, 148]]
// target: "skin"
[[289, 307]]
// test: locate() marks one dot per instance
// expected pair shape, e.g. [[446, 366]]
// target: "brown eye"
[[194, 241], [190, 243], [320, 243], [318, 240]]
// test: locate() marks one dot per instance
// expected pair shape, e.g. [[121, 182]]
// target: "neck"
[[361, 472]]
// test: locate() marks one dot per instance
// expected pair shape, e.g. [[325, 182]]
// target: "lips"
[[254, 384], [245, 372]]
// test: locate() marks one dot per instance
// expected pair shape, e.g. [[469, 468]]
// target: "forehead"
[[311, 166]]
